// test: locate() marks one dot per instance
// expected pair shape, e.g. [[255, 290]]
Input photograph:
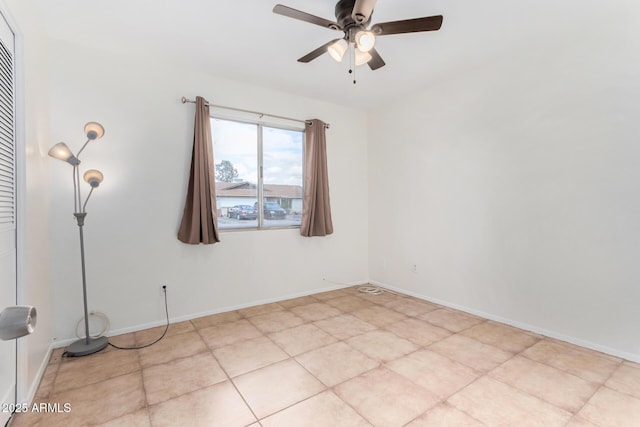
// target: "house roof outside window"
[[247, 189]]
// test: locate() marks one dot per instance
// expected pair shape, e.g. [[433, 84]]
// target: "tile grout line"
[[586, 402], [229, 379], [264, 334], [524, 392], [326, 388], [383, 364], [293, 358], [550, 340], [340, 340], [53, 381], [617, 362], [344, 341], [144, 388], [445, 400]]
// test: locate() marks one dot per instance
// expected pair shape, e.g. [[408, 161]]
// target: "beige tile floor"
[[341, 358]]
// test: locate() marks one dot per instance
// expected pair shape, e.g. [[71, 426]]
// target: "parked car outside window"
[[242, 212], [272, 210]]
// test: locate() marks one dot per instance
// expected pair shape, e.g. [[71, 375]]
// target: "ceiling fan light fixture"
[[338, 49], [365, 40], [362, 57]]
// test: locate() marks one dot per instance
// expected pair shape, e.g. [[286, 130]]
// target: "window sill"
[[234, 230]]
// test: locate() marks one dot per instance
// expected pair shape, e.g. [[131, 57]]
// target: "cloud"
[[238, 143]]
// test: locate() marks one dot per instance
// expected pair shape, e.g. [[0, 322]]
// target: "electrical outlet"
[[414, 268]]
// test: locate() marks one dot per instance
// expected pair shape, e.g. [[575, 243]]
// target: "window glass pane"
[[235, 154], [282, 176]]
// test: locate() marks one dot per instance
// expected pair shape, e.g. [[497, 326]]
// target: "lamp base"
[[81, 348]]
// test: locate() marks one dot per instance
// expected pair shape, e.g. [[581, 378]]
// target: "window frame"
[[260, 124]]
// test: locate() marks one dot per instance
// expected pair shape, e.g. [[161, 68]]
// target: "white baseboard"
[[548, 333], [337, 285], [177, 319], [32, 388]]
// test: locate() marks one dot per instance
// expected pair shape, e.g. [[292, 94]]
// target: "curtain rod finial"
[[184, 100]]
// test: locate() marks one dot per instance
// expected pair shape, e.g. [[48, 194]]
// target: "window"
[[258, 172]]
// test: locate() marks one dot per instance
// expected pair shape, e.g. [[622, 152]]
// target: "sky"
[[238, 143]]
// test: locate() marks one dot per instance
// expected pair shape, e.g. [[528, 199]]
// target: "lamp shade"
[[362, 57], [365, 40], [60, 151], [93, 130], [94, 177], [338, 49]]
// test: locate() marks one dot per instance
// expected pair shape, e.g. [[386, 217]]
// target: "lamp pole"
[[88, 345], [80, 218]]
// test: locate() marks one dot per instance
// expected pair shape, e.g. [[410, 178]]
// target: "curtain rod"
[[191, 101]]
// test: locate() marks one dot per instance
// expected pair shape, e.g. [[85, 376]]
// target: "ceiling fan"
[[353, 18]]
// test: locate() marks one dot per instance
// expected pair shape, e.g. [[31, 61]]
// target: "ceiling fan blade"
[[319, 51], [376, 60], [429, 23], [304, 16]]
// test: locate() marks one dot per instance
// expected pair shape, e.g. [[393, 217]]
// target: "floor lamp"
[[93, 177]]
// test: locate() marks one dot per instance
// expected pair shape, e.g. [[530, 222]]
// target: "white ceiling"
[[245, 41]]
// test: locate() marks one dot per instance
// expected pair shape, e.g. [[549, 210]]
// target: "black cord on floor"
[[166, 311]]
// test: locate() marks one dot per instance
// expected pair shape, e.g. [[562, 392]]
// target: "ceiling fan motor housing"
[[344, 11], [362, 11]]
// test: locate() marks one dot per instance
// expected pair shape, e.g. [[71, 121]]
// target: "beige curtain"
[[200, 217], [316, 211]]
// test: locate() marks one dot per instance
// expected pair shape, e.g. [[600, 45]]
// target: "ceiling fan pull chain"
[[352, 61]]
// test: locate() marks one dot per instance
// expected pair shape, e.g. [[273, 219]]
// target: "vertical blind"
[[7, 146]]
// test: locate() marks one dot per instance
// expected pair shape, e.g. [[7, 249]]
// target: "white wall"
[[133, 218], [33, 175], [521, 172], [513, 186]]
